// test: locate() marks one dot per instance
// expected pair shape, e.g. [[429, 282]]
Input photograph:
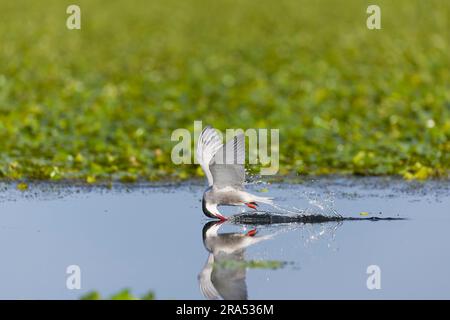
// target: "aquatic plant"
[[100, 103], [124, 294]]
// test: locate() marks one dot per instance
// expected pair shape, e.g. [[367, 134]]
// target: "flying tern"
[[223, 165]]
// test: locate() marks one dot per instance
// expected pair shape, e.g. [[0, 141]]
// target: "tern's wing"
[[208, 144], [227, 167], [204, 279]]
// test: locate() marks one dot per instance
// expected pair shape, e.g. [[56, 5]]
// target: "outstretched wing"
[[228, 165], [218, 282], [229, 282], [208, 144], [204, 278]]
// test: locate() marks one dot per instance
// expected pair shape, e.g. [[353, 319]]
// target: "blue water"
[[147, 237]]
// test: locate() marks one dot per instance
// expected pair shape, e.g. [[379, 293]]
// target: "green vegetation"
[[124, 294], [101, 103]]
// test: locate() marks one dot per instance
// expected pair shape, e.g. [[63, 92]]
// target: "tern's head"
[[209, 205]]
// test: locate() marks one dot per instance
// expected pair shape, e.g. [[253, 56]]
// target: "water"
[[147, 237]]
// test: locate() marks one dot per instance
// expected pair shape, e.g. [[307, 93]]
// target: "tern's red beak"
[[221, 217], [252, 205]]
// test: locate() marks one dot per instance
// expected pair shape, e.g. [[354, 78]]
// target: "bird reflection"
[[218, 278]]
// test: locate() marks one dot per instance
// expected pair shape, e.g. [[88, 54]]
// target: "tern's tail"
[[263, 199]]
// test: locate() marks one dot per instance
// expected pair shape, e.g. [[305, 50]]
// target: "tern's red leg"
[[252, 205], [251, 233]]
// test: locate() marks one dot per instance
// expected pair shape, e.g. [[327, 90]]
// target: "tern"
[[218, 278], [223, 165]]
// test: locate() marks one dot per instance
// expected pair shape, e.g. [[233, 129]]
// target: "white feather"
[[208, 144]]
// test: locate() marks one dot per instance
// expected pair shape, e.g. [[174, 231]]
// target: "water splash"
[[321, 203], [315, 204]]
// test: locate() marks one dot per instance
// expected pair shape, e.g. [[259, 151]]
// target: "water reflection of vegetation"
[[251, 264], [124, 294]]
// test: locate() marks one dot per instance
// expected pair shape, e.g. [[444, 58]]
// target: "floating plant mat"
[[263, 217]]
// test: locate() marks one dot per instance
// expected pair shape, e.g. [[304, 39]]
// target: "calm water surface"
[[147, 237]]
